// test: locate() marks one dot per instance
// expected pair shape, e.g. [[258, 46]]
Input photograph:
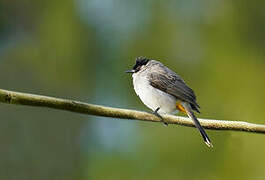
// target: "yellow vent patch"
[[180, 107]]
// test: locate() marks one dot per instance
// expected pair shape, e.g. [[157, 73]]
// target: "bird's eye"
[[137, 68]]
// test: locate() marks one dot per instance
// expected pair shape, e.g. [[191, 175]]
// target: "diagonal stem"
[[11, 97]]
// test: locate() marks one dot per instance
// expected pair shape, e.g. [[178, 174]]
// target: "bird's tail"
[[197, 124]]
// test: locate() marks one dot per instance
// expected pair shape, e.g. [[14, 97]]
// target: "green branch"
[[11, 97]]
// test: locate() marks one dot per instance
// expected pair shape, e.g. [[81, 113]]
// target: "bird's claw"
[[158, 115]]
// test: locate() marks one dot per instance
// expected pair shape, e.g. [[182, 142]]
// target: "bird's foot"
[[158, 115]]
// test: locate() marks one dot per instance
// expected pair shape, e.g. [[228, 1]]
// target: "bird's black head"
[[139, 62]]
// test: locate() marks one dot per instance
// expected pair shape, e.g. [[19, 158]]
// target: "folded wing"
[[168, 81]]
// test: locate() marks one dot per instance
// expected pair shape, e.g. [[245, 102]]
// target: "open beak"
[[130, 71]]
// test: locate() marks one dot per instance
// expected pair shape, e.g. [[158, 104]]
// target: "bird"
[[165, 92]]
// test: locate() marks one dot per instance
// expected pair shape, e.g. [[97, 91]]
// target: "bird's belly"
[[154, 98]]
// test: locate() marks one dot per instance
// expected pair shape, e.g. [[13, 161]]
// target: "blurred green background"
[[79, 49]]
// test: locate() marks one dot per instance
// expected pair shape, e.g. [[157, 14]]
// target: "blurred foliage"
[[80, 49]]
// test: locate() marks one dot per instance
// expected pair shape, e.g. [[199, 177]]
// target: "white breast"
[[153, 97]]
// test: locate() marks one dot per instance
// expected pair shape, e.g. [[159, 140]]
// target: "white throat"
[[152, 97]]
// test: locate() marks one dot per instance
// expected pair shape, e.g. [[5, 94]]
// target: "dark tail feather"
[[198, 125]]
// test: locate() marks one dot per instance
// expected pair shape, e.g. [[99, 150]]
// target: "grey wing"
[[169, 82]]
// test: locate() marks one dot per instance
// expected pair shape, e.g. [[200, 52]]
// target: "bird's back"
[[166, 80]]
